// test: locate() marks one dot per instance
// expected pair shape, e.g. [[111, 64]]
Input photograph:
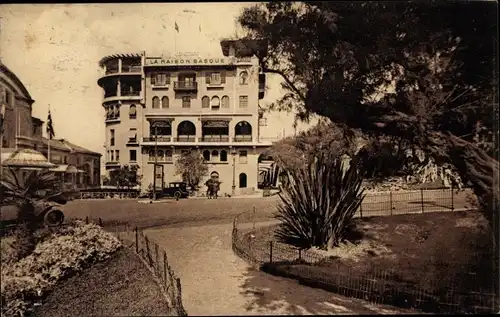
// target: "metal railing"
[[215, 138], [131, 68], [185, 138], [379, 286], [127, 93], [160, 139], [185, 85], [242, 138]]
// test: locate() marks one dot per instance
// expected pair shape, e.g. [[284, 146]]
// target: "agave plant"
[[29, 195], [318, 203]]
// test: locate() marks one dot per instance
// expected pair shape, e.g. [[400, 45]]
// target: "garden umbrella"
[[27, 159]]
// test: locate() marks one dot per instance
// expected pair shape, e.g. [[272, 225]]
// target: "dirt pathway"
[[217, 282]]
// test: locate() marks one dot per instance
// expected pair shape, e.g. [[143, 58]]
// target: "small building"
[[77, 166]]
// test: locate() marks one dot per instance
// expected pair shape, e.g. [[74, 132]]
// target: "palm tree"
[[30, 196]]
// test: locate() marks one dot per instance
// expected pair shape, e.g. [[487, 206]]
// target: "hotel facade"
[[160, 107]]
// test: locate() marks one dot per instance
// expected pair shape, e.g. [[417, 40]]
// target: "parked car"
[[174, 189]]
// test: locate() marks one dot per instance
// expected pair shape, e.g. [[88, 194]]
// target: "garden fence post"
[[300, 254], [271, 251], [136, 239], [390, 201], [165, 267], [422, 198], [253, 220], [87, 220], [100, 222], [157, 260], [452, 202]]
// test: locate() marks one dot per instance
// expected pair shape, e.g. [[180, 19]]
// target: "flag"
[[176, 27], [2, 116], [199, 28], [50, 127]]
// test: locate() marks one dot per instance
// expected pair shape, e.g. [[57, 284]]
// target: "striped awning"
[[70, 169], [21, 158]]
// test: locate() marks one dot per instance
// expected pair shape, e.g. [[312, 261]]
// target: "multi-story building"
[[76, 166], [185, 103]]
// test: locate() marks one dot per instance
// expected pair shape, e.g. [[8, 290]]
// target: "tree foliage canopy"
[[423, 72], [192, 168]]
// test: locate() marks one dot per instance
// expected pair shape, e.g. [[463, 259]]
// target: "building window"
[[215, 155], [151, 155], [243, 78], [215, 78], [112, 137], [164, 102], [117, 154], [225, 102], [263, 122], [186, 102], [215, 103], [156, 102], [223, 156], [160, 79], [243, 101], [205, 102], [168, 155], [132, 137], [243, 180], [133, 155], [132, 112], [206, 155], [243, 157], [8, 97], [112, 155], [160, 155], [65, 160]]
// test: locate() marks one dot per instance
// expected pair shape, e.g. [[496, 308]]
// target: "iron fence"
[[415, 201], [379, 286], [107, 195], [154, 256]]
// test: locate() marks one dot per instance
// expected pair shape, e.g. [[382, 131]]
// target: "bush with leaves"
[[57, 256], [28, 193], [319, 202]]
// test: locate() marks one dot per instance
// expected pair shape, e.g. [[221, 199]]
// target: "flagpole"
[[49, 137]]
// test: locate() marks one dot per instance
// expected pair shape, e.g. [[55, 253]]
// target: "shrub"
[[318, 203], [57, 256]]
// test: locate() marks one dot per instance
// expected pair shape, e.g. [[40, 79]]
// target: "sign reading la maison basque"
[[201, 61]]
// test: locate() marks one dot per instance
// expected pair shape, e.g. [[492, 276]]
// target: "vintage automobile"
[[174, 189], [48, 213]]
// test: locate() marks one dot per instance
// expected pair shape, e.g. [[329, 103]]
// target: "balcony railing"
[[132, 141], [215, 138], [160, 139], [242, 138], [131, 68], [111, 70], [185, 138], [130, 93], [113, 163], [185, 85], [112, 117]]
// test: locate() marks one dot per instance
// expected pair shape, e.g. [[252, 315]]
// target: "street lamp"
[[233, 153], [155, 126]]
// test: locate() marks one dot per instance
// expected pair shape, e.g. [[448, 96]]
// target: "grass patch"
[[433, 251], [121, 286]]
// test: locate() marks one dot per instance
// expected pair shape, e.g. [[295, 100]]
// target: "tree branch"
[[287, 80]]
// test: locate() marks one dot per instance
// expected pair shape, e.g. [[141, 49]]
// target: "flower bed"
[[57, 256]]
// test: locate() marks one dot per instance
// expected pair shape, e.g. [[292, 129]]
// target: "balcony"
[[159, 139], [186, 86], [131, 68], [132, 141], [185, 138], [129, 93], [215, 138], [113, 163], [112, 70], [242, 138]]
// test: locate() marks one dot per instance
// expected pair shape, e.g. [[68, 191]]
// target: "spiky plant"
[[318, 203], [38, 187]]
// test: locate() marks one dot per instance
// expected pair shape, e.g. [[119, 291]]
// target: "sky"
[[54, 49]]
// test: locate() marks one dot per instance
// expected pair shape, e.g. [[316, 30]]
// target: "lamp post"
[[233, 153], [155, 126]]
